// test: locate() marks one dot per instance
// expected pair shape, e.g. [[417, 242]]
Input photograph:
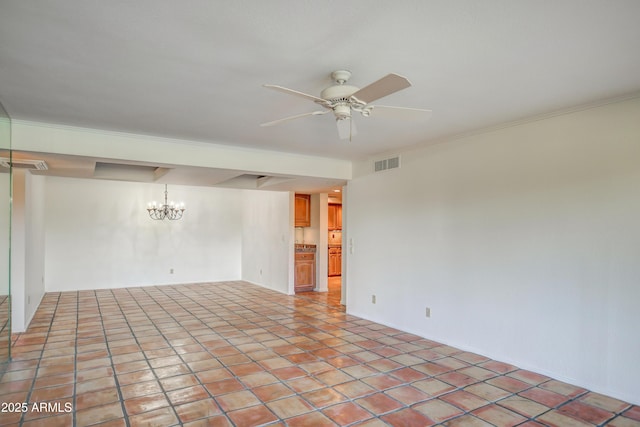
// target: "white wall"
[[34, 249], [267, 239], [523, 241], [4, 233], [99, 235]]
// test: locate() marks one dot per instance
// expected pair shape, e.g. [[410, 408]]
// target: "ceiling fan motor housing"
[[338, 92]]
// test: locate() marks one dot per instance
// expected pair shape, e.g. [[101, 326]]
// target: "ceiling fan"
[[342, 100]]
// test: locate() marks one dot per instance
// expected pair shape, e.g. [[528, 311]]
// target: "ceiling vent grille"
[[40, 165], [390, 163]]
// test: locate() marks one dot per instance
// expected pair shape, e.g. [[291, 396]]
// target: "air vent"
[[40, 165], [391, 163]]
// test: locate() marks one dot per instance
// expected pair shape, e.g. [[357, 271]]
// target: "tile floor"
[[232, 353]]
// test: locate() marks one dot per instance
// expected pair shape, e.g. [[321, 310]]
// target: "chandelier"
[[168, 210]]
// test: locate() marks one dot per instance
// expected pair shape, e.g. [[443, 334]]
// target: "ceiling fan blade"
[[296, 93], [346, 128], [276, 122], [387, 85], [399, 112]]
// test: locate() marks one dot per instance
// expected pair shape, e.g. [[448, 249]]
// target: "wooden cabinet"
[[305, 271], [335, 261], [303, 210], [334, 218]]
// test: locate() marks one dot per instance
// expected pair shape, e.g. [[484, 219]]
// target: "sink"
[[304, 247]]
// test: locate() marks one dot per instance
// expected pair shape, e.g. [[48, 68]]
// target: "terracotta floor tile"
[[96, 398], [586, 412], [499, 416], [407, 394], [346, 413], [407, 375], [487, 391], [324, 397], [471, 358], [379, 403], [510, 384], [562, 388], [289, 407], [622, 421], [138, 405], [528, 376], [457, 379], [94, 385], [303, 385], [52, 393], [63, 420], [431, 368], [478, 373], [382, 382], [433, 387], [316, 367], [604, 402], [214, 421], [99, 414], [177, 382], [555, 418], [334, 377], [197, 410], [342, 361], [237, 400], [407, 360], [259, 379], [525, 407], [633, 413], [407, 418], [170, 371], [315, 419], [185, 395], [544, 397], [467, 421], [224, 386], [360, 371], [156, 417], [437, 410], [140, 389], [255, 416], [271, 392], [464, 400], [245, 369], [214, 375], [289, 372]]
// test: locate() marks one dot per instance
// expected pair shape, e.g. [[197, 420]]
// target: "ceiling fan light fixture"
[[342, 111]]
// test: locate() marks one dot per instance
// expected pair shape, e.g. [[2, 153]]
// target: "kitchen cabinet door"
[[305, 272], [334, 217], [303, 210]]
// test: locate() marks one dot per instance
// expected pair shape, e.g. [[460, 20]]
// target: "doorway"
[[334, 247]]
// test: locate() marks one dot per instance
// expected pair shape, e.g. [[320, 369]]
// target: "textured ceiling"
[[194, 70]]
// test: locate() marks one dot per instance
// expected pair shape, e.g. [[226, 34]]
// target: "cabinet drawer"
[[304, 256]]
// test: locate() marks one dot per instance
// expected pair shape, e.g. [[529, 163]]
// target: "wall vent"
[[23, 164], [390, 163]]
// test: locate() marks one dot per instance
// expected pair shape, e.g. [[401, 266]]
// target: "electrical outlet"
[[171, 271], [373, 299], [427, 312]]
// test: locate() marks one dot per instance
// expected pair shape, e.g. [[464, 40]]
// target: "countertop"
[[305, 247]]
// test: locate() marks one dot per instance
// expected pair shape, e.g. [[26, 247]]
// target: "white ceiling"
[[194, 69]]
